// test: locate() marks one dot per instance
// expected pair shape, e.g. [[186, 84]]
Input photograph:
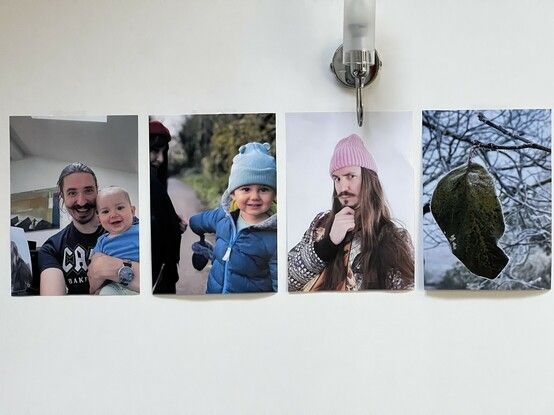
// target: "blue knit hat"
[[253, 165]]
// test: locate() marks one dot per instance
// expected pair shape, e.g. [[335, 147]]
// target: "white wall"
[[367, 353], [35, 173]]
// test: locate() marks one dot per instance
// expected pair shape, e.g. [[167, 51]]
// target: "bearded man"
[[64, 260], [356, 245]]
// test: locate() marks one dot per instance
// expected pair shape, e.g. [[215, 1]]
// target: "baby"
[[245, 252], [121, 240]]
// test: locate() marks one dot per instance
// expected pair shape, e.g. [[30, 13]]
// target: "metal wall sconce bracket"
[[357, 78]]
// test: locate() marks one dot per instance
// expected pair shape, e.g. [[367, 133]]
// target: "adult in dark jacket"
[[166, 226]]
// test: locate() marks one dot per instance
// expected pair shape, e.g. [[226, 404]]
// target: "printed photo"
[[487, 199], [22, 266], [74, 192], [350, 202], [36, 210], [213, 190]]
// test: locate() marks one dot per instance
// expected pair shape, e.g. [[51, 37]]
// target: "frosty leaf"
[[466, 208]]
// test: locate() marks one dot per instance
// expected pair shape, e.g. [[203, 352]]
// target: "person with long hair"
[[356, 245]]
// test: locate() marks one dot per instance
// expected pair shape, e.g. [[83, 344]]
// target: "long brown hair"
[[385, 249]]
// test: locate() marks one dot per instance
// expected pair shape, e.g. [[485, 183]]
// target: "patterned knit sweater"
[[304, 265]]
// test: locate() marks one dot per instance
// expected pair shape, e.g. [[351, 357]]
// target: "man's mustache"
[[87, 205], [345, 193]]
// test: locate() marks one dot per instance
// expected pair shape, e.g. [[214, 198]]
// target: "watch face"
[[126, 275]]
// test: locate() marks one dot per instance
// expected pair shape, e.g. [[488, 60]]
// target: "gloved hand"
[[202, 253]]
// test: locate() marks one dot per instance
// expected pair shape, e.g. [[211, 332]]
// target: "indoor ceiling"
[[109, 142]]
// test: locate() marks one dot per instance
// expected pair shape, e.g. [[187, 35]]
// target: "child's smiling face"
[[253, 200], [115, 211]]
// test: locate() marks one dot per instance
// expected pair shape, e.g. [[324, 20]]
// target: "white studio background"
[[311, 139], [366, 353]]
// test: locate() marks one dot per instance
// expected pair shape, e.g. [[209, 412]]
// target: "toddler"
[[245, 251]]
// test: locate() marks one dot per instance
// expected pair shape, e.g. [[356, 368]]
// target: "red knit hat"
[[351, 151], [157, 128]]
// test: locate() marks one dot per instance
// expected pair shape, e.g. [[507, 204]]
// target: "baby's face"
[[115, 212]]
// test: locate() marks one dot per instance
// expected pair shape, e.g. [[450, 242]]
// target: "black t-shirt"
[[70, 251]]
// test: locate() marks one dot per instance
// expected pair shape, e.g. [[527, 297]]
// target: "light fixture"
[[356, 63]]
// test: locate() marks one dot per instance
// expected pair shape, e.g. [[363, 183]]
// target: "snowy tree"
[[514, 146]]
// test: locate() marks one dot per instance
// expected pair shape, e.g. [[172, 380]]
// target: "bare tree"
[[514, 146]]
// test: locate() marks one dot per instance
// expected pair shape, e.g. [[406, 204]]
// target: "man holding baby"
[[65, 260]]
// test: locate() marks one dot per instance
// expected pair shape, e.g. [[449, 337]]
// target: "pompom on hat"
[[351, 151], [253, 165]]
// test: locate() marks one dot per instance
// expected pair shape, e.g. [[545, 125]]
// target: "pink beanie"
[[350, 151]]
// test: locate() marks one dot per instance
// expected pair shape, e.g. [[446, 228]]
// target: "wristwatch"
[[126, 273]]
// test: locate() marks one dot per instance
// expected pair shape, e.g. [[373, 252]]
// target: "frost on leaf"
[[466, 208]]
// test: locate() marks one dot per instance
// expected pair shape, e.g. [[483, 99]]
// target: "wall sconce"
[[356, 63]]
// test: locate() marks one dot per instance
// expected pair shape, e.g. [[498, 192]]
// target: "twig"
[[485, 146], [426, 208], [504, 131]]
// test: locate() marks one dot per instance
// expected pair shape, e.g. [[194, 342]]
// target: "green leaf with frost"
[[466, 208]]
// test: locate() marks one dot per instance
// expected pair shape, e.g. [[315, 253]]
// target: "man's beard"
[[88, 206], [350, 195]]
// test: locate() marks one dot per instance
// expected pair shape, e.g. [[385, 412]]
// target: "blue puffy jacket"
[[244, 261]]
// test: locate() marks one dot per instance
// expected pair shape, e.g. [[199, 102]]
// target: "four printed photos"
[[486, 197]]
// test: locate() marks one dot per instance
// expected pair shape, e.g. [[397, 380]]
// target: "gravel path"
[[187, 204]]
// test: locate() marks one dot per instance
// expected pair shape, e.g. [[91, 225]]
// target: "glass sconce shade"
[[359, 33]]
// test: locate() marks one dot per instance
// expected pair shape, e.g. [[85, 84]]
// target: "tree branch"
[[486, 146], [504, 131], [426, 208]]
